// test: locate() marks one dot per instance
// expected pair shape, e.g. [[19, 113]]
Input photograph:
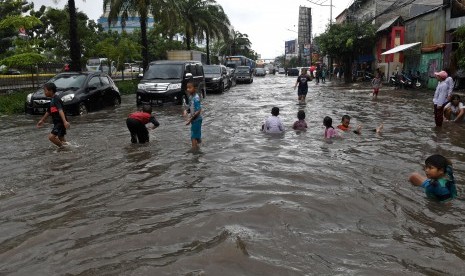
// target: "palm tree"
[[74, 45], [238, 42], [217, 26], [160, 9], [203, 19]]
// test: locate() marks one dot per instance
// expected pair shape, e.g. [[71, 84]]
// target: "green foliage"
[[23, 60], [13, 102], [7, 36], [127, 87], [16, 21], [119, 50], [350, 39], [460, 53]]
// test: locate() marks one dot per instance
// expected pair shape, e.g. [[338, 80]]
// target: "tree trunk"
[[208, 47], [74, 46], [188, 41], [143, 34]]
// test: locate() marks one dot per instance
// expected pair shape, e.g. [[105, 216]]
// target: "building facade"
[[132, 23]]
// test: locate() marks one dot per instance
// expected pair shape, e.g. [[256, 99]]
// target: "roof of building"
[[388, 24]]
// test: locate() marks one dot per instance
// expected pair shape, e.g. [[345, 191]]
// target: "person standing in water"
[[195, 118], [60, 124], [302, 81]]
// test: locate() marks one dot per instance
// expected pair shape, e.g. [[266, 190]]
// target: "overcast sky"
[[268, 23]]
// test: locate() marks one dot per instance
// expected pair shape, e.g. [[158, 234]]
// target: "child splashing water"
[[439, 182]]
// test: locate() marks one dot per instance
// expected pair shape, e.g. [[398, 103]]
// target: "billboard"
[[289, 47], [457, 8]]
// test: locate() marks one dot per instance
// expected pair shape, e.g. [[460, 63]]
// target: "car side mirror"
[[188, 75]]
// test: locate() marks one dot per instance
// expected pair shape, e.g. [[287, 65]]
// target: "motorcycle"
[[416, 80], [394, 80]]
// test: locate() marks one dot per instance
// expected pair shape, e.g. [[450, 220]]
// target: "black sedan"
[[80, 92]]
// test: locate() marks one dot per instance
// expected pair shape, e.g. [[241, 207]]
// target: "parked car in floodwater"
[[166, 80], [80, 92], [260, 72], [216, 78], [244, 74], [293, 72]]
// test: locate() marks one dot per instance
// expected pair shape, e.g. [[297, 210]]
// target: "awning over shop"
[[400, 48]]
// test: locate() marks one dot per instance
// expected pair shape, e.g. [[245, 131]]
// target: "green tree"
[[118, 50], [215, 27], [125, 8], [460, 53], [25, 53], [203, 19], [53, 34], [8, 35], [239, 44], [347, 41]]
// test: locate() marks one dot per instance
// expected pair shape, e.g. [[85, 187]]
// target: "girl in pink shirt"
[[330, 132]]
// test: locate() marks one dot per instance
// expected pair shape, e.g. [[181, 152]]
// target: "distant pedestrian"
[[376, 84], [195, 117], [300, 124], [60, 123], [440, 97], [302, 81], [439, 182], [273, 123], [138, 122], [323, 75], [317, 73]]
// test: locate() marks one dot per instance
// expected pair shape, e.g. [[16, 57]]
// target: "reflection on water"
[[247, 203]]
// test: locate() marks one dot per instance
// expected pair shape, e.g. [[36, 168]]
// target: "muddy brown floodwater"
[[247, 204]]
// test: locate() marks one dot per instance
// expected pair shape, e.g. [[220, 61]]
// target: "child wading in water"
[[439, 182], [195, 119], [60, 124], [330, 132], [273, 123], [300, 124], [376, 84], [136, 123], [345, 126], [454, 110]]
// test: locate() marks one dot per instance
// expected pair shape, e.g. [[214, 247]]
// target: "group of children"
[[137, 122], [439, 182], [273, 124]]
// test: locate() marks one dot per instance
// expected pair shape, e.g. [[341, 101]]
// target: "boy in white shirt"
[[273, 123]]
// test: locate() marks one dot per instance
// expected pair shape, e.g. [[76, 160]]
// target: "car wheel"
[[82, 109], [221, 90], [116, 102]]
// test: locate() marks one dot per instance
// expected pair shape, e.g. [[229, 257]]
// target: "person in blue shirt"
[[195, 118], [439, 182]]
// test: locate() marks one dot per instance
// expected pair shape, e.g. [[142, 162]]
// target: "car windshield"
[[164, 71], [69, 81], [212, 70], [261, 70], [93, 62], [243, 70]]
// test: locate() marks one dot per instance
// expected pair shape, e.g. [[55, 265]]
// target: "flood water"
[[247, 204]]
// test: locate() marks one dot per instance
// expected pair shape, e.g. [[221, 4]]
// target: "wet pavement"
[[247, 204]]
